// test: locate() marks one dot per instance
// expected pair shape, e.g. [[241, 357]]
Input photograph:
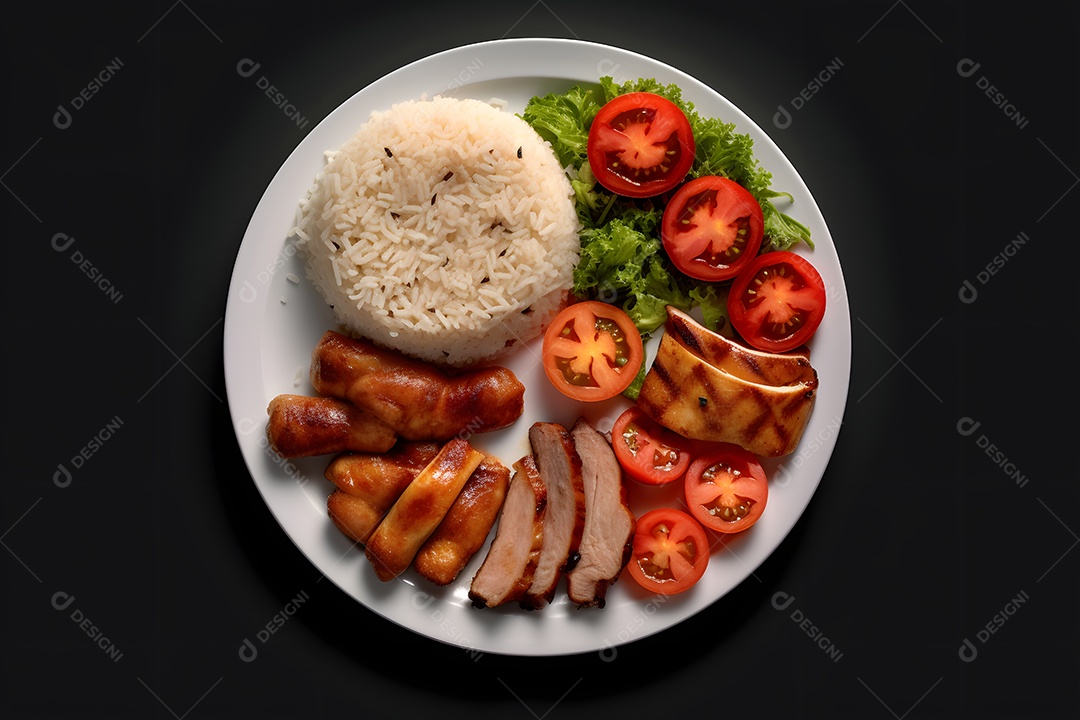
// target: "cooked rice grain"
[[428, 233]]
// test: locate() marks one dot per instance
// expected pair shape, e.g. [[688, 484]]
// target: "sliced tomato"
[[726, 488], [592, 351], [646, 450], [712, 228], [776, 303], [670, 551], [640, 145]]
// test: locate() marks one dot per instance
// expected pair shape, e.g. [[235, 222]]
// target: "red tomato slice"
[[592, 351], [670, 551], [640, 145], [647, 451], [712, 228], [726, 488], [777, 301]]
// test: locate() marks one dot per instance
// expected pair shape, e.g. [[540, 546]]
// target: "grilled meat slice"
[[302, 426], [750, 364], [419, 400], [707, 387], [606, 542], [467, 524], [368, 484], [507, 571], [560, 468], [422, 506]]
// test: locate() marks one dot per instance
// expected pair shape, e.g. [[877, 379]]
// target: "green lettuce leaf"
[[563, 120], [622, 261], [719, 150]]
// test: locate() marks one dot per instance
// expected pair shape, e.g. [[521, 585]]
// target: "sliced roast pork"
[[606, 541], [507, 571], [560, 467]]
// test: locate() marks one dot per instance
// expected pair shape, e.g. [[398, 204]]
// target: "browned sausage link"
[[301, 426], [425, 502], [353, 516], [467, 524], [368, 484], [368, 475], [419, 400]]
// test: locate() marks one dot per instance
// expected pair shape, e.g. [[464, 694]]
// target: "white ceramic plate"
[[272, 322]]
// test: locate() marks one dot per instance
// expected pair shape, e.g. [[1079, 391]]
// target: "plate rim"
[[242, 425]]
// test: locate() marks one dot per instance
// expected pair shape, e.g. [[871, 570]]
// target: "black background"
[[916, 540]]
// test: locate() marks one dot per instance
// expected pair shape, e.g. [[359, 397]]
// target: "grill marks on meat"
[[706, 387], [606, 542], [416, 399], [301, 426], [420, 508], [560, 468], [466, 525], [507, 571]]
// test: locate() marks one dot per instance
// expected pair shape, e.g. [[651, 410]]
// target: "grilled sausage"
[[368, 484], [353, 516], [301, 426], [466, 526], [420, 401], [420, 508]]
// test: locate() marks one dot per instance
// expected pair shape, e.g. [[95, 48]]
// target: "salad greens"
[[621, 259]]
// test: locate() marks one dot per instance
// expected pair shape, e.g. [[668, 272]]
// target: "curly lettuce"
[[622, 261]]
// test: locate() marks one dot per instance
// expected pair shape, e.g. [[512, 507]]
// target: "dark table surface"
[[938, 557]]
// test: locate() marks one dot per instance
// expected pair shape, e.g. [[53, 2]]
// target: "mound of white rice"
[[444, 228]]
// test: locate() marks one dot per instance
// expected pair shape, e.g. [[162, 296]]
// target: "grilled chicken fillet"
[[606, 541], [507, 571], [707, 387], [418, 400], [301, 426]]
